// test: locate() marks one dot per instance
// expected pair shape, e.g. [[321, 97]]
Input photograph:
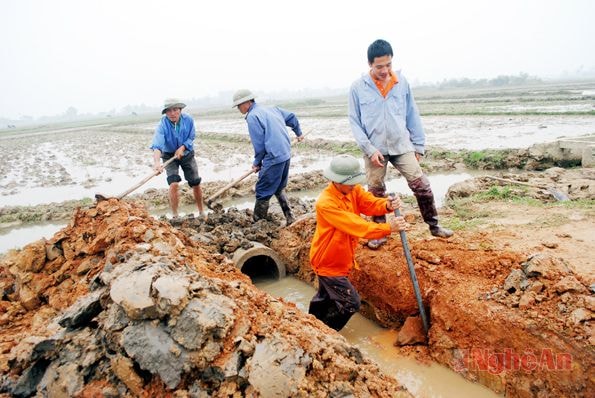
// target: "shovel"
[[99, 197], [232, 184], [558, 195], [413, 277]]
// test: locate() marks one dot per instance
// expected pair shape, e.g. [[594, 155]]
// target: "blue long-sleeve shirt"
[[268, 134], [168, 138], [391, 125]]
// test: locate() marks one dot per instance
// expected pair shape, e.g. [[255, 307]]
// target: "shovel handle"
[[413, 277], [228, 186], [144, 180]]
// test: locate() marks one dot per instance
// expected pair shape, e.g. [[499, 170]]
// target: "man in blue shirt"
[[272, 150], [174, 137], [387, 126]]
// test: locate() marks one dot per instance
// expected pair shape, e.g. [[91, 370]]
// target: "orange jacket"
[[339, 225]]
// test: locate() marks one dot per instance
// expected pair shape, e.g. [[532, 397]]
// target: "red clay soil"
[[39, 282], [529, 343]]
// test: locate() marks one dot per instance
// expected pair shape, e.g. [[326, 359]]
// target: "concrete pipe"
[[259, 261]]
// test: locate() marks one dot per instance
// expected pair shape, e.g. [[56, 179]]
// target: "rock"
[[32, 257], [542, 265], [115, 318], [536, 287], [171, 293], [275, 369], [527, 300], [428, 256], [82, 311], [26, 385], [569, 284], [28, 298], [65, 381], [580, 315], [124, 369], [209, 317], [154, 350], [589, 302], [412, 332], [132, 291], [462, 189], [550, 245], [515, 281], [52, 252]]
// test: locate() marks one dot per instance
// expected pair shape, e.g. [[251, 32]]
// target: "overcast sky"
[[101, 55]]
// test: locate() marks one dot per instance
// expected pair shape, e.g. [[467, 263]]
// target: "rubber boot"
[[284, 203], [261, 209], [427, 206]]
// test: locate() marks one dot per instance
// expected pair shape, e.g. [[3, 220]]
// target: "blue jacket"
[[391, 125], [168, 138], [268, 134]]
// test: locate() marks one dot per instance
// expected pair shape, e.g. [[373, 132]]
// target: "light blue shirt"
[[169, 137], [391, 125], [268, 134]]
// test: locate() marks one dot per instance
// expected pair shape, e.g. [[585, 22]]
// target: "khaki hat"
[[345, 169], [242, 96], [172, 103]]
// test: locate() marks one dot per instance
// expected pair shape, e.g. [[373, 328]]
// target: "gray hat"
[[242, 96], [345, 169], [172, 103]]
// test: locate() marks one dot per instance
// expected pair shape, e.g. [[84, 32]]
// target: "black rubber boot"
[[261, 209], [284, 203], [427, 206]]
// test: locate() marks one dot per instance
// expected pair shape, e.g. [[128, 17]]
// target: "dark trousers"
[[272, 179], [335, 302]]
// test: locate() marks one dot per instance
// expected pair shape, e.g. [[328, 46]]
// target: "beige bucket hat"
[[242, 96], [345, 169], [172, 103]]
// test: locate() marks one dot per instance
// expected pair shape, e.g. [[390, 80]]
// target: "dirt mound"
[[518, 322], [118, 303]]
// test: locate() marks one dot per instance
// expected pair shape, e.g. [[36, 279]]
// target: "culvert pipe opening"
[[259, 262]]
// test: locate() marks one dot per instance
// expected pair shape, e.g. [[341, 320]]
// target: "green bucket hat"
[[172, 103], [345, 169]]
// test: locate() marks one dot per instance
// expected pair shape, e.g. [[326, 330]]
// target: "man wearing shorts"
[[174, 137]]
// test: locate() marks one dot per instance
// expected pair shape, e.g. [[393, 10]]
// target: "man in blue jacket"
[[174, 137], [272, 150], [387, 127]]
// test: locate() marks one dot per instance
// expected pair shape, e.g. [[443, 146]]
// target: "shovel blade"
[[559, 195]]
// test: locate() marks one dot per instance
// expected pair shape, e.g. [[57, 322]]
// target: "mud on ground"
[[120, 304]]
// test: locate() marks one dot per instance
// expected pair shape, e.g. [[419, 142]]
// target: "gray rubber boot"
[[261, 209]]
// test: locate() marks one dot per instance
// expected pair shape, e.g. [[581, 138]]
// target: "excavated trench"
[[72, 323]]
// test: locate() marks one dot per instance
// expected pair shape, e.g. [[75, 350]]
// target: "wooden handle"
[[230, 185], [144, 180]]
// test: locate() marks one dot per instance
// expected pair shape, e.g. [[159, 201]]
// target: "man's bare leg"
[[197, 191], [174, 198]]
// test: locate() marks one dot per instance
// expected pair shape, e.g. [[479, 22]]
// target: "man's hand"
[[255, 169], [300, 138], [158, 167], [393, 202], [180, 152], [377, 159], [418, 156], [398, 224]]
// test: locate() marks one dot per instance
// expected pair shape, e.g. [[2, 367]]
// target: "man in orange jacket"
[[338, 227]]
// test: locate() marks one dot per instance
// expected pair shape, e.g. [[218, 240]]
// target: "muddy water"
[[452, 132], [421, 380], [12, 238]]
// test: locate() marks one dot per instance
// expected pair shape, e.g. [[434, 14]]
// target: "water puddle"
[[434, 380], [15, 238], [11, 238]]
